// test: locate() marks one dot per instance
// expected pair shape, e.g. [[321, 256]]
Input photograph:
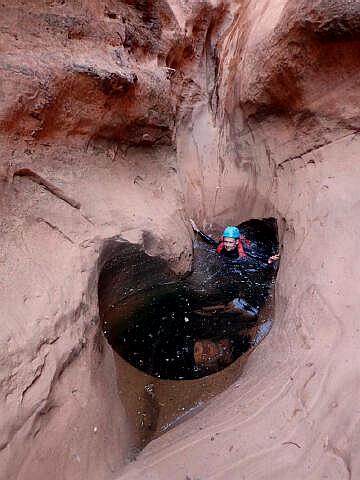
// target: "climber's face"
[[230, 244]]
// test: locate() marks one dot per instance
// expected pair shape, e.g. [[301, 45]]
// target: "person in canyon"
[[232, 245], [251, 269]]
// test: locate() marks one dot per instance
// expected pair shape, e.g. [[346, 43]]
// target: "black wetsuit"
[[208, 239]]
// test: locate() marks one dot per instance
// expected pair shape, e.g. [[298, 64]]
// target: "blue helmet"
[[231, 232]]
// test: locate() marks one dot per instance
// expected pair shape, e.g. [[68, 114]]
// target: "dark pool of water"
[[189, 328]]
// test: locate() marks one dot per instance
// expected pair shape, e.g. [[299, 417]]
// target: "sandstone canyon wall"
[[121, 120]]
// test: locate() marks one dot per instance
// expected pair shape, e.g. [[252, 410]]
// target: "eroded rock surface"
[[126, 118]]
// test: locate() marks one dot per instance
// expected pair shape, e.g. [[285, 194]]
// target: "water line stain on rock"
[[182, 329]]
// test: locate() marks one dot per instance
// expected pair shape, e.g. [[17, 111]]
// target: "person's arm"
[[203, 235], [274, 258]]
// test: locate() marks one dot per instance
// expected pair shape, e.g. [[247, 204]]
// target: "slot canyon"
[[120, 121]]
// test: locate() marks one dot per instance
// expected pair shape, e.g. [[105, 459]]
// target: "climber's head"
[[231, 237]]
